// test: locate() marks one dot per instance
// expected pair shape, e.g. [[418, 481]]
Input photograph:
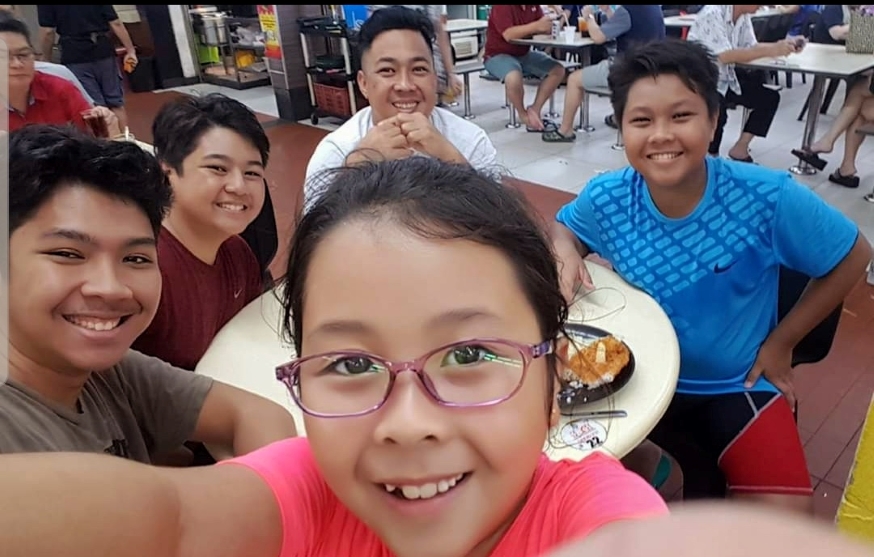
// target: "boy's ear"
[[714, 121]]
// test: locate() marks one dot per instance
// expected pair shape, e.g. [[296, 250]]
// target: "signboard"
[[267, 18]]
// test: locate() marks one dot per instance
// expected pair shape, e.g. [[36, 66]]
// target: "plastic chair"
[[818, 342]]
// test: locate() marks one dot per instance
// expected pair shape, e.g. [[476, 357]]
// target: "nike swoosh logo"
[[718, 269], [237, 293]]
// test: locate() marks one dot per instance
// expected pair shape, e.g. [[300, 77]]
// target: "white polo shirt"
[[331, 152], [715, 29]]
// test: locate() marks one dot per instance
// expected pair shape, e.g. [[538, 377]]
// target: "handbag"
[[861, 37]]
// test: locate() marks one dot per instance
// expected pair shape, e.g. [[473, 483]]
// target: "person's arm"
[[575, 234], [109, 14], [240, 421], [121, 32], [617, 25], [818, 240], [175, 405], [565, 241], [839, 32], [744, 55], [833, 20], [788, 9], [502, 16], [577, 226], [710, 30], [823, 295], [81, 505]]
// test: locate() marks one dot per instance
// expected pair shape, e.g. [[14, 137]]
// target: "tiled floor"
[[833, 393]]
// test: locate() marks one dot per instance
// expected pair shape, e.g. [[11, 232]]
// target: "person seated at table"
[[706, 237], [856, 113], [441, 360], [862, 127], [624, 27], [83, 283], [398, 79], [728, 32], [36, 96], [214, 152], [803, 17], [833, 28], [512, 63]]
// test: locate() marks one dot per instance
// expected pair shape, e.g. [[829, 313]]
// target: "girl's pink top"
[[568, 500]]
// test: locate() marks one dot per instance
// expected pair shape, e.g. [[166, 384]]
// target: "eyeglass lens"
[[468, 373]]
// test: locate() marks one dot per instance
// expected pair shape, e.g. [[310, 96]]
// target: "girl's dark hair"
[[435, 200], [690, 61]]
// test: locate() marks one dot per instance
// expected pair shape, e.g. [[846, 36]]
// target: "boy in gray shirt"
[[83, 284]]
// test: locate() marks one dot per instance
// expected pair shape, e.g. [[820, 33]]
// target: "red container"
[[334, 100]]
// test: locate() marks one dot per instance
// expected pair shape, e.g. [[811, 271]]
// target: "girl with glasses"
[[424, 302]]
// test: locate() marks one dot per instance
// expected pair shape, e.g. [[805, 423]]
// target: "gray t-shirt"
[[138, 408]]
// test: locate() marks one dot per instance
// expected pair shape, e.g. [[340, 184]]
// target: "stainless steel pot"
[[215, 32]]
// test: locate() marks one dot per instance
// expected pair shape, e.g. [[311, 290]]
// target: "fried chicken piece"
[[599, 362]]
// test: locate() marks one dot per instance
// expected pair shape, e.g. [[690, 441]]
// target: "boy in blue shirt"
[[706, 238]]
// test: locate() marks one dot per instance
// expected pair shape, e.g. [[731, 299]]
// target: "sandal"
[[847, 181], [555, 136], [813, 159], [548, 125]]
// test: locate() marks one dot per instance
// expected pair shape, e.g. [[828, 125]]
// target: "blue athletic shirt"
[[715, 271]]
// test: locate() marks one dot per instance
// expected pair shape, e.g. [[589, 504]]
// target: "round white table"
[[248, 349]]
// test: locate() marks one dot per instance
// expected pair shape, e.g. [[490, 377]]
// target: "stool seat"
[[598, 91], [464, 69]]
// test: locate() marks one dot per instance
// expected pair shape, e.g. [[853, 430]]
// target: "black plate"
[[571, 399]]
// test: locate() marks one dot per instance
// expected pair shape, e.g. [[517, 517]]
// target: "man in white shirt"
[[727, 31], [397, 77]]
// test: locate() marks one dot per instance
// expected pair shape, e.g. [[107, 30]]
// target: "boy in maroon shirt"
[[510, 63], [214, 152]]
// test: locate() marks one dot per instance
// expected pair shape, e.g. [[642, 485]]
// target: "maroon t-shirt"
[[197, 299], [502, 18]]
